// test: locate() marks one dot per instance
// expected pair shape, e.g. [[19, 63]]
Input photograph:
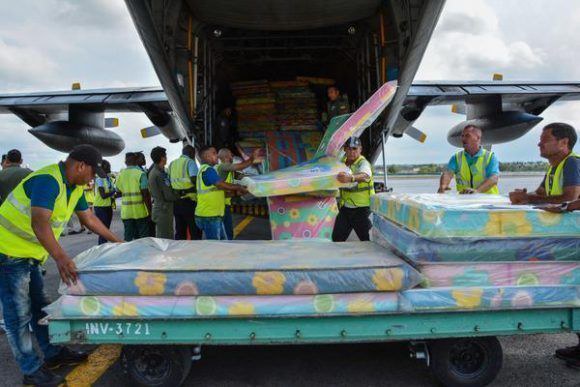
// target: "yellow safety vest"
[[132, 204], [17, 239], [210, 199], [554, 183], [107, 187], [472, 176], [360, 194], [229, 179], [179, 176]]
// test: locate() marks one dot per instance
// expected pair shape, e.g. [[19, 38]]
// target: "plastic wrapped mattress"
[[224, 306], [152, 267], [472, 216], [419, 249]]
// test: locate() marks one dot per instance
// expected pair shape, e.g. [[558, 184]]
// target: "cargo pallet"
[[460, 348]]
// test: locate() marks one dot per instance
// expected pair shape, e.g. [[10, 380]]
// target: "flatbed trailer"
[[460, 348]]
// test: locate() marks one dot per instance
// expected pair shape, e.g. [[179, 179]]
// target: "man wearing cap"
[[162, 194], [31, 221], [355, 201], [226, 169], [183, 176], [12, 173], [476, 170], [133, 187]]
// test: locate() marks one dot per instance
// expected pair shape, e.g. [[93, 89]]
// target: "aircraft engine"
[[64, 135], [498, 128]]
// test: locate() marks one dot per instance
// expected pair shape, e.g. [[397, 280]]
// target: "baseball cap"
[[89, 155], [353, 142]]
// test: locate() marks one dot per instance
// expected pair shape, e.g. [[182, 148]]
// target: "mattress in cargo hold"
[[472, 216], [155, 267], [419, 249]]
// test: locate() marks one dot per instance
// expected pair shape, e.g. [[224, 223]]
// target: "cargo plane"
[[199, 47]]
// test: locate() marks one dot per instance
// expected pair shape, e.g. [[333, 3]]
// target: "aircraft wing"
[[505, 110], [63, 119]]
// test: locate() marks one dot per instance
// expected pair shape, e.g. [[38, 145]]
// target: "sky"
[[49, 44]]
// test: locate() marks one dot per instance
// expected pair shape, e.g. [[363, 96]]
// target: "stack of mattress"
[[255, 105], [480, 252], [296, 105], [161, 278]]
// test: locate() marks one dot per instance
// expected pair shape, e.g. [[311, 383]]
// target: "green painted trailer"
[[461, 348]]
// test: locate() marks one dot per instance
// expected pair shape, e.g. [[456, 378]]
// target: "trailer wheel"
[[146, 365], [469, 362]]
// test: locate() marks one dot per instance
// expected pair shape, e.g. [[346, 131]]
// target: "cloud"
[[469, 43], [24, 65]]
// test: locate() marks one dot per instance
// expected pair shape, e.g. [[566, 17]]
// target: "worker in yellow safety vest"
[[182, 176], [133, 187], [211, 196], [32, 219], [226, 169], [561, 183], [104, 198], [476, 170], [561, 188], [354, 201]]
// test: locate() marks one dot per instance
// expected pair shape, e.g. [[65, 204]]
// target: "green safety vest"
[[108, 187], [179, 176], [229, 179], [360, 194], [16, 235], [472, 176], [132, 204], [554, 183], [210, 199]]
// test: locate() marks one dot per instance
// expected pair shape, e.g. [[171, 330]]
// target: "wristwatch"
[[564, 206]]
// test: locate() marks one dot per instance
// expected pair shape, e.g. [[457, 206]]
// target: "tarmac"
[[528, 360]]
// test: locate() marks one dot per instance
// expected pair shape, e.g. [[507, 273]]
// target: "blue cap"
[[353, 142]]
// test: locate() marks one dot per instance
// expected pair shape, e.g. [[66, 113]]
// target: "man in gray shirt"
[[162, 194], [12, 174]]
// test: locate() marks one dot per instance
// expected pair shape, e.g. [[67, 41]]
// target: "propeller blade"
[[416, 134], [458, 108], [150, 131], [111, 122]]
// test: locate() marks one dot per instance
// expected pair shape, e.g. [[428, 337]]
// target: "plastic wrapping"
[[222, 306], [152, 266], [500, 274], [302, 217], [472, 216], [416, 248], [317, 174], [489, 298], [334, 140]]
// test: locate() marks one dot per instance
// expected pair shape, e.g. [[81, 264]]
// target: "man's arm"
[[444, 181], [93, 223], [240, 189], [244, 164], [569, 194], [345, 178], [487, 184], [146, 198], [40, 222]]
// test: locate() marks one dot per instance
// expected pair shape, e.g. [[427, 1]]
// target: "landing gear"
[[468, 362], [162, 366]]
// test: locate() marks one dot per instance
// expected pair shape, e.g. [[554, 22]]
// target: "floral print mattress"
[[156, 267], [472, 216], [420, 249], [414, 300]]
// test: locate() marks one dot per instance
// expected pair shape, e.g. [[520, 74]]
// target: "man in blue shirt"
[[561, 184], [29, 232], [476, 170]]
